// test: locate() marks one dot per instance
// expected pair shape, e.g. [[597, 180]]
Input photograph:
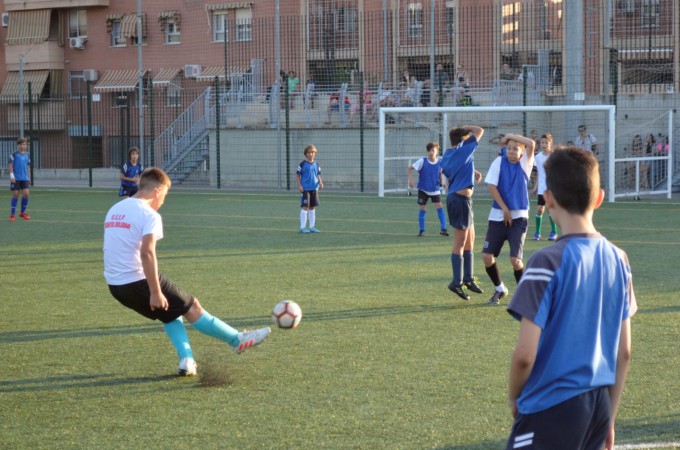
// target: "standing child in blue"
[[129, 173], [430, 181], [309, 182], [574, 304], [539, 188], [20, 178], [458, 165], [508, 179]]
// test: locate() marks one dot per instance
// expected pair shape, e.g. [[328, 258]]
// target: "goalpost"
[[405, 131]]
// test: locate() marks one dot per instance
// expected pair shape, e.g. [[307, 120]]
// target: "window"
[[220, 26], [649, 13], [345, 19], [171, 32], [244, 19], [173, 94], [76, 85], [77, 23], [117, 39], [414, 20]]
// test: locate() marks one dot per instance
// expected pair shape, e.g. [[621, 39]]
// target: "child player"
[[458, 165], [20, 178], [508, 178], [129, 173], [546, 144], [309, 182], [574, 304], [430, 181]]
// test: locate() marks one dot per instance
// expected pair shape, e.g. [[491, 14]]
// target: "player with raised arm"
[[458, 165]]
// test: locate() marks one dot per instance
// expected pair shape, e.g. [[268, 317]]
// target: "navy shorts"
[[19, 185], [581, 422], [459, 208], [541, 200], [424, 196], [498, 233], [309, 199], [136, 296]]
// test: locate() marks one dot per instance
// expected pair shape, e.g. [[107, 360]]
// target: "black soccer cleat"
[[459, 290], [473, 286], [443, 232]]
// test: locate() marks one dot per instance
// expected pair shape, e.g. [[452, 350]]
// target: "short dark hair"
[[457, 135], [132, 150], [153, 177], [572, 176], [582, 127], [431, 145], [22, 140]]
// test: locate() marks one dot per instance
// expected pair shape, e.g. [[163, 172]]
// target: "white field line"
[[646, 446]]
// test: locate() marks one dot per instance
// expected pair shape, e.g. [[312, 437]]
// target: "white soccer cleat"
[[187, 367], [248, 339]]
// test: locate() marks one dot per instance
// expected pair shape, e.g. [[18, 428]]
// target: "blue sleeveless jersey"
[[428, 178]]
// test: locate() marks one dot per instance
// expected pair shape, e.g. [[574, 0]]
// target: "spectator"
[[507, 73], [585, 140], [293, 82], [334, 105], [369, 107]]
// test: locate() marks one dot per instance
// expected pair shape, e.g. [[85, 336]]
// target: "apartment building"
[[81, 59]]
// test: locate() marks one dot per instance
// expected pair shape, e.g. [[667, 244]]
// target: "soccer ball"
[[287, 314]]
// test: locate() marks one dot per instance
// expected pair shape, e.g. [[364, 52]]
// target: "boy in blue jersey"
[[458, 165], [309, 182], [129, 173], [430, 181], [508, 179], [574, 302], [20, 178]]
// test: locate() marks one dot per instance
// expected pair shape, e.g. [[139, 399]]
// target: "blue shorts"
[[459, 209], [498, 233], [424, 196], [581, 422], [337, 107], [19, 185], [309, 199], [136, 296]]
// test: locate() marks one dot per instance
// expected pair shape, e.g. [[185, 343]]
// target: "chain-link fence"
[[254, 91]]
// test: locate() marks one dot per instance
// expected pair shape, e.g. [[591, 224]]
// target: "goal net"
[[405, 131]]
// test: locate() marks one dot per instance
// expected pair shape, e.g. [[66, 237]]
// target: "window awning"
[[128, 26], [165, 76], [125, 80], [12, 88], [28, 27], [173, 15], [225, 6], [645, 54], [209, 73]]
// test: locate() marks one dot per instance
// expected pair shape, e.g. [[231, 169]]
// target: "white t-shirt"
[[585, 143], [540, 159], [126, 223], [492, 177]]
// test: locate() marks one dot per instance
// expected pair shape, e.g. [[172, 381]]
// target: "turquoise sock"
[[442, 218], [457, 265], [179, 338], [214, 327]]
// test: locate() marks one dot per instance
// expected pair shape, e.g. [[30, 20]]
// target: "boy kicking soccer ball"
[[131, 229]]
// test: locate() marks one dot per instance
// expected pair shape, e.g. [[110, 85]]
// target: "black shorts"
[[459, 209], [541, 200], [309, 199], [128, 191], [19, 185], [498, 233], [136, 296], [424, 196], [581, 422]]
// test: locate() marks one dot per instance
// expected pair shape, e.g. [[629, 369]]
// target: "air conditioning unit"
[[192, 71], [5, 20], [90, 75], [77, 42]]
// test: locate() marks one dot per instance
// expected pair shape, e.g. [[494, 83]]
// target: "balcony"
[[45, 56], [25, 5], [47, 116]]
